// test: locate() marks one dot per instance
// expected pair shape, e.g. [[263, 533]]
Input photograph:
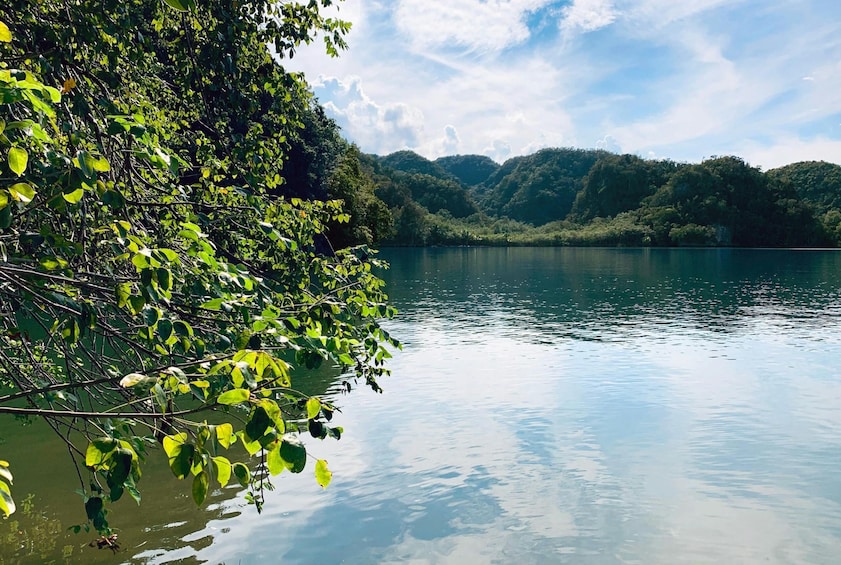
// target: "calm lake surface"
[[550, 406]]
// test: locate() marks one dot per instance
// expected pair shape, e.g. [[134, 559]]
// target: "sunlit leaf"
[[323, 475], [181, 5], [98, 451], [73, 197], [7, 504], [18, 159], [53, 263], [223, 470], [313, 407], [235, 396], [225, 435], [22, 192], [132, 379], [172, 443], [275, 462], [5, 33]]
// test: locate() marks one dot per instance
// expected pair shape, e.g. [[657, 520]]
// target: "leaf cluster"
[[156, 288]]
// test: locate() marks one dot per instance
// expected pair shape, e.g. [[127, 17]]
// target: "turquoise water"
[[566, 406]]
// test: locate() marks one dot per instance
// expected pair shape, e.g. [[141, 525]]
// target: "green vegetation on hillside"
[[470, 170], [592, 197]]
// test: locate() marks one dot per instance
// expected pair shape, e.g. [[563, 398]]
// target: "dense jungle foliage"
[[592, 197]]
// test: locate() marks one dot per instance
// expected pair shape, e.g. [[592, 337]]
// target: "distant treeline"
[[564, 197]]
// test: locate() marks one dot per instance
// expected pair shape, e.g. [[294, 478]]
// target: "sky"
[[677, 79]]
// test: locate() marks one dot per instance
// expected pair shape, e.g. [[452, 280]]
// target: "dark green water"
[[550, 406]]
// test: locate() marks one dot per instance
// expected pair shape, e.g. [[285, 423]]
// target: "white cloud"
[[588, 15], [499, 150], [609, 143], [378, 128], [682, 79], [656, 14], [448, 144], [482, 25], [783, 151]]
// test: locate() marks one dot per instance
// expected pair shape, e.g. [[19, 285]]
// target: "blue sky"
[[679, 79]]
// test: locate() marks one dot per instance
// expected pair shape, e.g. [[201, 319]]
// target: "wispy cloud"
[[588, 15], [483, 25], [680, 79]]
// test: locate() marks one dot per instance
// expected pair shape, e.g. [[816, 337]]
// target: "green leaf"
[[275, 462], [164, 278], [160, 396], [235, 396], [93, 507], [313, 407], [98, 451], [172, 443], [73, 197], [53, 263], [257, 424], [273, 411], [181, 5], [214, 304], [252, 447], [242, 474], [120, 467], [100, 165], [22, 192], [151, 316], [7, 504], [294, 454], [4, 199], [133, 379], [323, 475], [182, 462], [123, 292], [164, 329], [223, 470], [200, 486], [182, 328], [18, 158], [133, 492], [225, 435], [85, 164], [136, 303], [6, 37]]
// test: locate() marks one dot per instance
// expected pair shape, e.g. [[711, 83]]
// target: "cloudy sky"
[[679, 79]]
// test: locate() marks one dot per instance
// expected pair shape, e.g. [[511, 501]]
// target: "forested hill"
[[563, 196]]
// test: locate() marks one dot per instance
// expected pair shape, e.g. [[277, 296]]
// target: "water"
[[557, 406]]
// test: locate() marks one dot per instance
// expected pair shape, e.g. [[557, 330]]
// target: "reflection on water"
[[572, 405]]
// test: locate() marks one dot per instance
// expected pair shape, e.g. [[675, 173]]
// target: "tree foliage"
[[542, 187], [578, 197], [154, 290], [471, 170]]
